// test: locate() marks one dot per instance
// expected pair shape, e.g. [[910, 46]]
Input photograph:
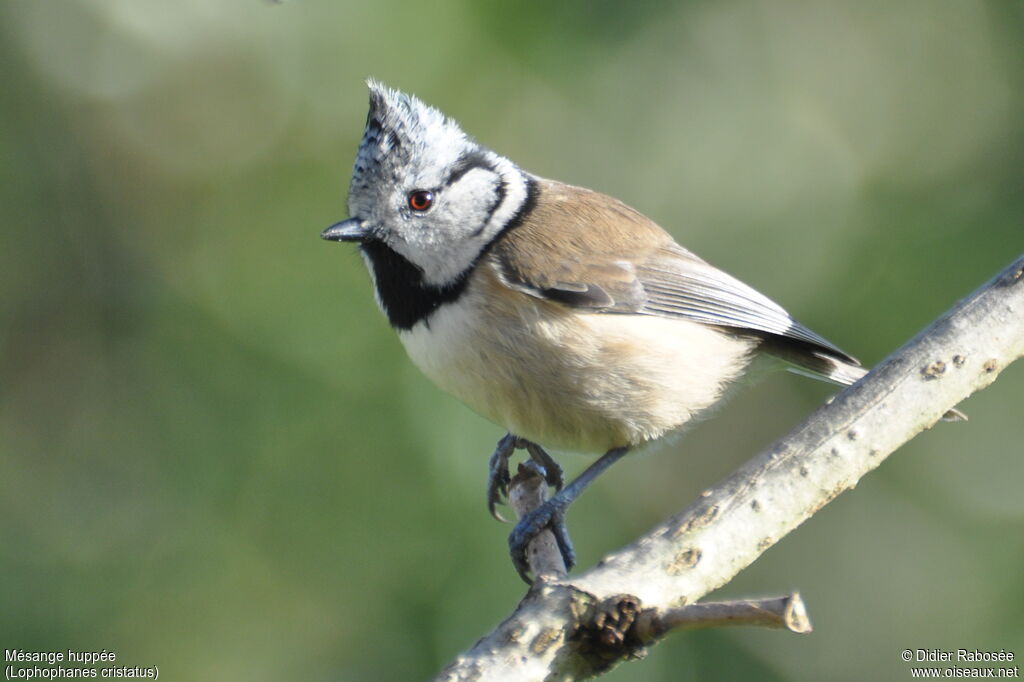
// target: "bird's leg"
[[551, 516]]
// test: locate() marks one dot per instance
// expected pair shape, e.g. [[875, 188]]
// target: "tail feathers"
[[819, 365], [822, 366], [836, 371]]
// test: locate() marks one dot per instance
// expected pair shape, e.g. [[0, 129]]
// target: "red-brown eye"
[[421, 200]]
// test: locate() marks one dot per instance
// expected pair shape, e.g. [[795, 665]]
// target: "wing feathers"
[[578, 296], [608, 258]]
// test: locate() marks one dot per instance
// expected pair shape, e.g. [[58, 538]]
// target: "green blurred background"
[[214, 455]]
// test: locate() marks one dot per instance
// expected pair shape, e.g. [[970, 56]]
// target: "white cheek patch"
[[479, 193], [467, 217]]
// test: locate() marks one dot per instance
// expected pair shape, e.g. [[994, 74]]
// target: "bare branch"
[[551, 634], [787, 613]]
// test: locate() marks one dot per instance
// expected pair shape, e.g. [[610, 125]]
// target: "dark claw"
[[552, 471], [548, 516], [498, 477]]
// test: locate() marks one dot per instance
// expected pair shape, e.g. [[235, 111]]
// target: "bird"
[[559, 313]]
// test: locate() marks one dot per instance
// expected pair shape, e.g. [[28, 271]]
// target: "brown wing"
[[606, 257], [590, 260]]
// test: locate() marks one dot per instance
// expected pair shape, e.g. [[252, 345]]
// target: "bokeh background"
[[214, 455]]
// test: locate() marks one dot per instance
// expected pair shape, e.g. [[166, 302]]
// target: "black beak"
[[351, 230]]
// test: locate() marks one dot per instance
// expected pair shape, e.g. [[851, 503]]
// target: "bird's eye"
[[421, 200]]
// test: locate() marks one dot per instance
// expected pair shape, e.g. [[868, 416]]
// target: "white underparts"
[[573, 380]]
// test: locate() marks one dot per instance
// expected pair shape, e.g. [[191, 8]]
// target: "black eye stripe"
[[466, 163], [499, 198]]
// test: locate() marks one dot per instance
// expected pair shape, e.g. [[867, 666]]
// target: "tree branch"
[[560, 630], [776, 612]]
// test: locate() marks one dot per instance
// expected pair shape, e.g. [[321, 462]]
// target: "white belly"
[[577, 381]]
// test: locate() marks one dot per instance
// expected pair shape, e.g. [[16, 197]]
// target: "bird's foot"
[[549, 516], [498, 476], [549, 467]]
